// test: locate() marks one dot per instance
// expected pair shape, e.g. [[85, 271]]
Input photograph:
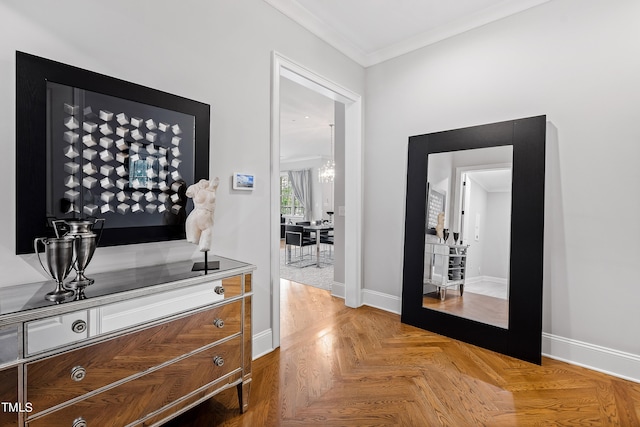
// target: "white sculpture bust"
[[199, 224]]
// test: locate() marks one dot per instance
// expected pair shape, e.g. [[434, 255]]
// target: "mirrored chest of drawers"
[[444, 267], [141, 347]]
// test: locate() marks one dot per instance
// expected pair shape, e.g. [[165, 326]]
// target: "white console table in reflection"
[[444, 267]]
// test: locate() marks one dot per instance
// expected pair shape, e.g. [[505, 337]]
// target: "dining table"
[[318, 228]]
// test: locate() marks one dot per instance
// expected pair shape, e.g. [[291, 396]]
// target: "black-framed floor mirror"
[[473, 250]]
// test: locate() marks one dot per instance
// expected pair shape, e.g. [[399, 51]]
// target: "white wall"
[[495, 260], [339, 267], [578, 62], [217, 52], [489, 255], [475, 214]]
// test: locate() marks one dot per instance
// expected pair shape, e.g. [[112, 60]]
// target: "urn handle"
[[43, 240]]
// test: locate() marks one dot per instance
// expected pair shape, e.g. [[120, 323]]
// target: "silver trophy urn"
[[85, 242], [59, 251]]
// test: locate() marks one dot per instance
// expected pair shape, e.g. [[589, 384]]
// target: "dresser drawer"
[[9, 396], [8, 345], [125, 314], [150, 392], [232, 286], [56, 331], [78, 372]]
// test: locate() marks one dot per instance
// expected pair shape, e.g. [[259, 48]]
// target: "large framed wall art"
[[93, 146]]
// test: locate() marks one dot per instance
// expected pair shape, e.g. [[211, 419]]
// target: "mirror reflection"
[[468, 225]]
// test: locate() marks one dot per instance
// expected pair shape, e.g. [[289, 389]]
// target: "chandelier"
[[327, 172]]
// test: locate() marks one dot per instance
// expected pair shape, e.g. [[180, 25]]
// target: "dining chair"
[[326, 238], [294, 235]]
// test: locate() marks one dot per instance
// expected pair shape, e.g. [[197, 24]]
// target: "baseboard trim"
[[499, 280], [338, 290], [382, 301], [602, 359], [479, 279], [262, 343]]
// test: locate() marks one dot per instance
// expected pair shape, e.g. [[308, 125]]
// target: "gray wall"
[[575, 61], [217, 52], [495, 260]]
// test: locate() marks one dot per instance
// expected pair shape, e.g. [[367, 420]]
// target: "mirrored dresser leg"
[[243, 395]]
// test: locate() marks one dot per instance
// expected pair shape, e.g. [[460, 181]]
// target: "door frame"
[[283, 67]]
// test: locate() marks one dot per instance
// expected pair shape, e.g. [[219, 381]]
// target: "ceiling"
[[493, 181], [369, 32], [373, 31], [305, 117]]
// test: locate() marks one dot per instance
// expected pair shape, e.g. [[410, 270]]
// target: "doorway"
[[351, 211]]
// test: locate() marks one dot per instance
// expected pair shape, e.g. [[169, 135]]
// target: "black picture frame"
[[523, 337], [434, 199], [32, 75]]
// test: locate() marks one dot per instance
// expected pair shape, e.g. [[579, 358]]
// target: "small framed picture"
[[243, 181]]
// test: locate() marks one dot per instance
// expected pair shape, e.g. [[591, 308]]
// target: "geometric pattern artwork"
[[127, 164], [57, 122]]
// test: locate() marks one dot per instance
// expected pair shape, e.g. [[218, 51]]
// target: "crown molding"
[[451, 29], [326, 32], [320, 28]]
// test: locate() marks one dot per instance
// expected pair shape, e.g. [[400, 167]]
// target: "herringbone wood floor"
[[361, 367]]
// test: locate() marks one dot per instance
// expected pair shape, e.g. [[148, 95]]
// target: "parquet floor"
[[361, 367], [485, 309]]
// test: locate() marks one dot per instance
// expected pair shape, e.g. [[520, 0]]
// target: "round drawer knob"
[[79, 326], [78, 373], [218, 361], [219, 290], [219, 323], [79, 422]]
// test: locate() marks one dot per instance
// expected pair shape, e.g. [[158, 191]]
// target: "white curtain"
[[301, 185]]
